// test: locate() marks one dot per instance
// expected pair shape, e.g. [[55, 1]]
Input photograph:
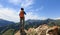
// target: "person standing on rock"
[[22, 20]]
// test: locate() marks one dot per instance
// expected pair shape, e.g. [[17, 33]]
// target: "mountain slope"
[[5, 22]]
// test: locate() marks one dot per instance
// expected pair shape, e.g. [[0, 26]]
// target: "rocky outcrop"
[[43, 30]]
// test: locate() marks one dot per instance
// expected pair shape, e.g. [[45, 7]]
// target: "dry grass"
[[17, 33]]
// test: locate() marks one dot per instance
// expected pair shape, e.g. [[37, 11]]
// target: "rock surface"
[[41, 30]]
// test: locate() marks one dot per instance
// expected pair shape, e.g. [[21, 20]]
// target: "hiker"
[[22, 19], [21, 14]]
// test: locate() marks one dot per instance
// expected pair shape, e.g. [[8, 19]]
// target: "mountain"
[[5, 22], [6, 25], [35, 23], [39, 21]]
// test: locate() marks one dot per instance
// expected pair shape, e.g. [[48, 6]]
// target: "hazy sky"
[[35, 9]]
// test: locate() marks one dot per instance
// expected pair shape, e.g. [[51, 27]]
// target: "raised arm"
[[24, 13]]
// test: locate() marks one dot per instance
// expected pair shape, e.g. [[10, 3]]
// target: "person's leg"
[[23, 22], [23, 33], [20, 25]]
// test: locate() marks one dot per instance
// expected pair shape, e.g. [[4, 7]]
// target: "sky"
[[35, 9]]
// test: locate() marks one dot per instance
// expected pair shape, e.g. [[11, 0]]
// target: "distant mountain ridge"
[[36, 23], [5, 22], [39, 21], [29, 22]]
